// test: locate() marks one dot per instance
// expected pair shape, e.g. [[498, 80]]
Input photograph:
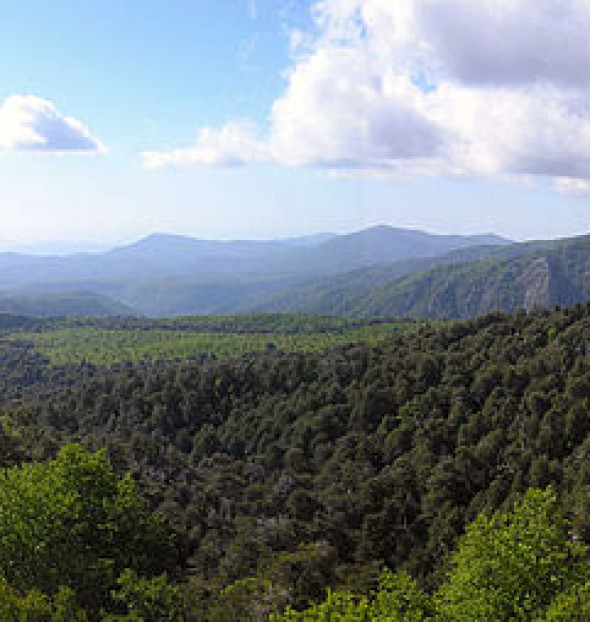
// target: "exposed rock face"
[[535, 283]]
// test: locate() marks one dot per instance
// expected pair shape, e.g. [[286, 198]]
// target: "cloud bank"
[[32, 124], [453, 87]]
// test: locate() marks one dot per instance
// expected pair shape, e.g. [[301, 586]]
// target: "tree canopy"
[[73, 523]]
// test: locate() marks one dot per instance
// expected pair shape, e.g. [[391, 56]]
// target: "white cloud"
[[339, 112], [572, 186], [29, 123], [536, 131], [503, 42], [233, 145], [486, 87]]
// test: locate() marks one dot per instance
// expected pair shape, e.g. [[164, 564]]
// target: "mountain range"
[[381, 271], [166, 274]]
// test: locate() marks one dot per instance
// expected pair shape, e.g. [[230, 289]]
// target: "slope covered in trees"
[[283, 474], [458, 285], [521, 564], [557, 275], [343, 293], [56, 304]]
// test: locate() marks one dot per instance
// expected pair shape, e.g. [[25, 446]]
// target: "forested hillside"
[[557, 275], [56, 304], [344, 293], [459, 285], [281, 474]]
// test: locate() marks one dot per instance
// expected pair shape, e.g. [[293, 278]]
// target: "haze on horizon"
[[257, 119]]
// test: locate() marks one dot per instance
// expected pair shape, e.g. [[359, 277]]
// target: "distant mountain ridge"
[[173, 256], [380, 271], [165, 274], [324, 253]]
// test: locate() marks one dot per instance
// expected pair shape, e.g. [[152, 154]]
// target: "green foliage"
[[72, 522], [286, 474], [11, 447], [245, 323], [108, 346], [338, 607], [516, 565], [509, 566], [246, 600], [34, 606], [570, 606], [147, 600], [398, 599], [303, 574]]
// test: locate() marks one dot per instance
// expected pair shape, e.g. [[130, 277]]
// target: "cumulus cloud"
[[537, 131], [356, 120], [504, 42], [233, 145], [29, 123], [493, 87]]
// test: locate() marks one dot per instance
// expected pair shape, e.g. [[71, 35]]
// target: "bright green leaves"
[[570, 606], [72, 522], [36, 607], [147, 600], [510, 566], [398, 599], [520, 565]]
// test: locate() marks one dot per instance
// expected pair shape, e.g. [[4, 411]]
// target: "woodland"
[[438, 472]]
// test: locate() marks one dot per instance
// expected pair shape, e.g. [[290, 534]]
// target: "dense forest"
[[110, 341], [438, 473]]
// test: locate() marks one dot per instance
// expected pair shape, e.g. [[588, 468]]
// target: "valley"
[[295, 311], [378, 272]]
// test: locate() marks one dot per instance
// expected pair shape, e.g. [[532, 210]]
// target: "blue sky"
[[244, 119]]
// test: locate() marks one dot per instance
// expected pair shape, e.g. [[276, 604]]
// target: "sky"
[[274, 118]]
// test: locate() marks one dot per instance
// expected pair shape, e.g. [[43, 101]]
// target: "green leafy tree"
[[72, 522], [147, 600], [398, 599], [247, 600], [510, 566], [570, 606], [37, 607]]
